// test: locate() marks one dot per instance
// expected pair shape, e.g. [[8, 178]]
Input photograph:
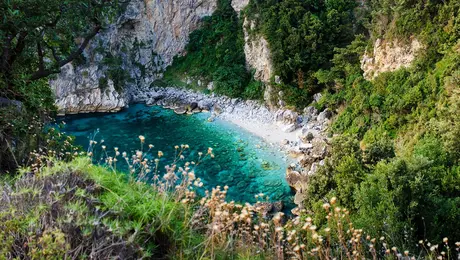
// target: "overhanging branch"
[[41, 73]]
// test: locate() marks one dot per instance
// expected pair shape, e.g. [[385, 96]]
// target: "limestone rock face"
[[389, 56], [239, 5], [258, 57], [76, 93], [143, 40], [257, 53]]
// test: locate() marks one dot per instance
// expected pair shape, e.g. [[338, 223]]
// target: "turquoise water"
[[242, 161]]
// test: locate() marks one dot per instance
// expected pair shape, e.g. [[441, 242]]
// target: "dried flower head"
[[142, 138]]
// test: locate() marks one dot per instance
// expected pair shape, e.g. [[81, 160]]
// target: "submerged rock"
[[180, 110]]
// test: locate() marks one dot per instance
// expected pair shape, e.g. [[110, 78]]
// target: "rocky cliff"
[[239, 5], [132, 52], [389, 56]]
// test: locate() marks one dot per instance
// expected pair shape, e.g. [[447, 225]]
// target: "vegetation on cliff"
[[215, 54]]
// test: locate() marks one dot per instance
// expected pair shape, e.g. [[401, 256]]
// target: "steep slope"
[[133, 51]]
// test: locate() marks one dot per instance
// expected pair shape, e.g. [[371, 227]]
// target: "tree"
[[37, 38]]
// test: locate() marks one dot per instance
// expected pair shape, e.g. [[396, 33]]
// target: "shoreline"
[[270, 133], [250, 115]]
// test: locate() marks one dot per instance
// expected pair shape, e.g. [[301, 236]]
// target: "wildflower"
[[115, 148], [445, 240], [326, 206], [150, 146], [124, 154], [279, 229], [142, 138], [176, 147], [406, 253], [420, 242], [333, 200], [315, 236], [297, 248], [103, 147], [327, 230], [160, 153], [382, 238]]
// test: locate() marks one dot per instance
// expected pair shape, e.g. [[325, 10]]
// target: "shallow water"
[[242, 161]]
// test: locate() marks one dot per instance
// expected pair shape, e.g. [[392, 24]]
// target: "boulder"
[[289, 128], [326, 114], [277, 79], [196, 110], [290, 116], [305, 147], [205, 104], [294, 177], [210, 86], [319, 150], [180, 110], [217, 109], [317, 97], [279, 115], [284, 142], [193, 105], [311, 111]]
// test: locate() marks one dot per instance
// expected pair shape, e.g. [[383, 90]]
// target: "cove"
[[243, 161]]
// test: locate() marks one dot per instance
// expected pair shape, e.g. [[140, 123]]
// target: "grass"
[[80, 210], [84, 210]]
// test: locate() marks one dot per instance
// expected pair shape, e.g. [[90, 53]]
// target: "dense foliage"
[[36, 40], [302, 36], [215, 53], [397, 161]]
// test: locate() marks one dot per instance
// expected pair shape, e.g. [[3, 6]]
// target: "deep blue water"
[[242, 161]]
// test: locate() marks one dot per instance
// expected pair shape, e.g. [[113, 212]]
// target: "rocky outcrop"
[[389, 56], [141, 43], [239, 5], [258, 56], [76, 92]]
